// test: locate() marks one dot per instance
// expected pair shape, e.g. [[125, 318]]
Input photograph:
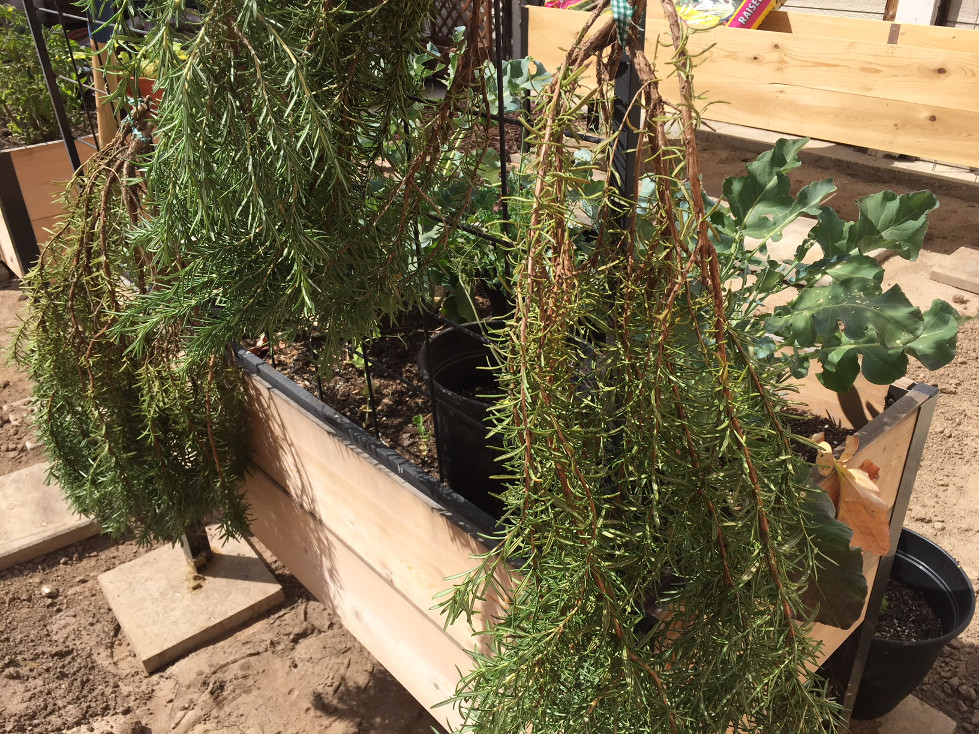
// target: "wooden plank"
[[945, 135], [412, 646], [880, 72], [885, 97], [934, 80], [886, 443], [43, 171], [8, 252], [405, 536]]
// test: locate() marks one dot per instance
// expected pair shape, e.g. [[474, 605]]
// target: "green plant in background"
[[24, 102]]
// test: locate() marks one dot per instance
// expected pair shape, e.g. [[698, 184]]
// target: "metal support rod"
[[196, 546], [80, 87], [51, 82], [62, 15], [498, 28], [627, 118], [518, 29]]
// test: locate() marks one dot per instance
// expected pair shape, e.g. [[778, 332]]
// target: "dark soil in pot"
[[906, 616]]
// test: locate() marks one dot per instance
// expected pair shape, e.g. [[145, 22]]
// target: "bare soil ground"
[[65, 667]]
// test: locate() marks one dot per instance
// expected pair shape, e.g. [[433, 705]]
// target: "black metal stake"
[[196, 546], [369, 378], [51, 82], [78, 77]]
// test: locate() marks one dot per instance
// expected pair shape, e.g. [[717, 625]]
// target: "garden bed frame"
[[376, 539], [32, 179]]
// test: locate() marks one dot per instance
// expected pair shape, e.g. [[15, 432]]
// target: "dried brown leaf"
[[864, 511]]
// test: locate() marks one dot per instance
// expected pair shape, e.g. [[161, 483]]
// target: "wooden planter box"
[[375, 538], [31, 180]]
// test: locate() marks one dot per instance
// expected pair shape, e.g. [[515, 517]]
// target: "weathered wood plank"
[[412, 646], [902, 99], [405, 536]]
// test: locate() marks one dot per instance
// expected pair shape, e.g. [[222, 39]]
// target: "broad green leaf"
[[883, 366], [857, 266], [765, 181], [830, 233], [891, 315], [936, 345], [837, 592], [767, 219], [840, 369], [770, 279], [898, 223]]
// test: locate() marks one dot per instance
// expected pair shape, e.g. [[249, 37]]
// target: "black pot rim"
[[963, 624]]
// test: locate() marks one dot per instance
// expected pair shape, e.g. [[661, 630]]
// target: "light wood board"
[[909, 99], [43, 171], [403, 535], [413, 647]]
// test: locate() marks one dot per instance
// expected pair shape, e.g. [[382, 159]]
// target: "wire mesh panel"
[[448, 15]]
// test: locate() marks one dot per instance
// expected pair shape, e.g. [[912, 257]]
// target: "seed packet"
[[702, 14]]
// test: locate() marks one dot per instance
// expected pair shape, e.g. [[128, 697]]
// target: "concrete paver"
[[34, 517], [960, 269], [166, 610]]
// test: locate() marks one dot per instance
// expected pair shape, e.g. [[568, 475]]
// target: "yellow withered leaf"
[[858, 503]]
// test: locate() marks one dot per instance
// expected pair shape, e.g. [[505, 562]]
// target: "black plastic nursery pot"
[[895, 668], [459, 363]]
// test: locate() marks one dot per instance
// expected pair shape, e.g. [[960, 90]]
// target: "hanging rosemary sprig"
[[657, 515], [266, 182], [138, 438]]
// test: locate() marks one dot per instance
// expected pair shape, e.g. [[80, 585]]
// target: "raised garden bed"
[[31, 180], [375, 538]]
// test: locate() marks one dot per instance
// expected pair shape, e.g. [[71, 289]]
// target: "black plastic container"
[[461, 370], [894, 668]]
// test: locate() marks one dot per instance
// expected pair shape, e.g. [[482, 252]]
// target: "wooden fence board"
[[903, 99]]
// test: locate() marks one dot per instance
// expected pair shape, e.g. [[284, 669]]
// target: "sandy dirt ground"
[[65, 667]]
